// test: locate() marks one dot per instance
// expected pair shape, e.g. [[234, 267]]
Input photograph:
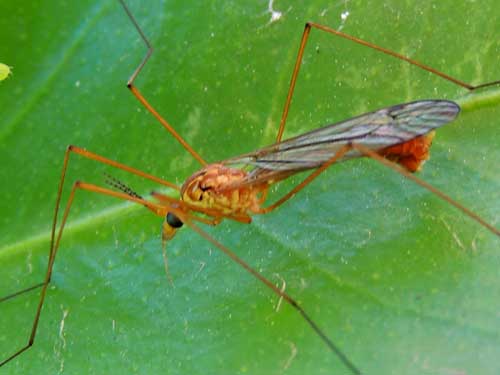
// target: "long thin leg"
[[101, 159], [159, 210], [142, 99], [98, 158], [292, 302], [90, 155], [298, 63], [396, 167]]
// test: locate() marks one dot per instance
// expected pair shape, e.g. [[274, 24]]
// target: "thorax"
[[224, 190]]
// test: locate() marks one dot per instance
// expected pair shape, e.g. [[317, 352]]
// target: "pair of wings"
[[376, 130]]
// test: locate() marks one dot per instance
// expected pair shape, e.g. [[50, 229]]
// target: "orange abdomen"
[[412, 154]]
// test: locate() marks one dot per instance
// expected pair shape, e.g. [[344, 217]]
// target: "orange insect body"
[[412, 154], [217, 189], [221, 192]]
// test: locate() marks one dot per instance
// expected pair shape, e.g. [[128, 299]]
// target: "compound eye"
[[173, 220]]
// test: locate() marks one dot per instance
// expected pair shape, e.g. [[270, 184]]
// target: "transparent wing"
[[377, 130]]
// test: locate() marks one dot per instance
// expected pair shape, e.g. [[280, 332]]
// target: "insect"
[[5, 71], [181, 211]]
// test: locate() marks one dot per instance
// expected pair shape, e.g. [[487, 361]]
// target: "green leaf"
[[400, 280]]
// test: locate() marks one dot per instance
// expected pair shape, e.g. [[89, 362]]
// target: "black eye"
[[173, 220]]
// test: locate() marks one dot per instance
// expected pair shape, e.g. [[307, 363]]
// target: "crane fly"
[[397, 136]]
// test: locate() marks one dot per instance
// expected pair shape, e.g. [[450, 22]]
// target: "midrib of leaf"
[[73, 226], [475, 101]]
